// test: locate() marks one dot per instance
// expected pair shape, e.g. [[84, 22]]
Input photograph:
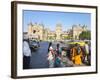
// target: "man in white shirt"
[[26, 55]]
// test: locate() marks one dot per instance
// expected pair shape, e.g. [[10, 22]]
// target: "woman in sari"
[[76, 55]]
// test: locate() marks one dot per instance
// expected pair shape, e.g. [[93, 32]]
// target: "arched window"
[[34, 31]]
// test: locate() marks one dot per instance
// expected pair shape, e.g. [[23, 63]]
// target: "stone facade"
[[77, 29], [35, 31], [58, 31], [40, 32]]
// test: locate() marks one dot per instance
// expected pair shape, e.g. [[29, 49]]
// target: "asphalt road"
[[39, 57]]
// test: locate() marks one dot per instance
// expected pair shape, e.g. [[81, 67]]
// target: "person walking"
[[58, 61], [77, 55], [65, 61], [50, 44], [86, 52], [63, 58], [57, 49], [51, 57], [26, 54]]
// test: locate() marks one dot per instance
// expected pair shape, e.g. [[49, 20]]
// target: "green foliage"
[[67, 37], [51, 38], [85, 35]]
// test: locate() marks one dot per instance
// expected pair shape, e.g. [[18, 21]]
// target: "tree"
[[67, 37], [85, 35], [51, 38]]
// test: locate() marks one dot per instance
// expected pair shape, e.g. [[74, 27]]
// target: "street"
[[39, 57]]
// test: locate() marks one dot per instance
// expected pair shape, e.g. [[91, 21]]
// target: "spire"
[[30, 24], [58, 25]]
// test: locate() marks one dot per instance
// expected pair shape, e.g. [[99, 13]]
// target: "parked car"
[[34, 44]]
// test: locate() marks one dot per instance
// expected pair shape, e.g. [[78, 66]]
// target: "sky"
[[50, 19]]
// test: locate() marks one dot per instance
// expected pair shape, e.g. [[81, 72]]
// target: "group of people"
[[58, 57], [80, 54]]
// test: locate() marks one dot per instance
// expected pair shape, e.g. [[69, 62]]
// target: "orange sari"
[[76, 58]]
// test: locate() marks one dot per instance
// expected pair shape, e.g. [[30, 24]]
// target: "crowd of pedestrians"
[[78, 55], [75, 55]]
